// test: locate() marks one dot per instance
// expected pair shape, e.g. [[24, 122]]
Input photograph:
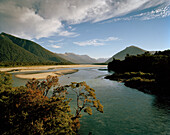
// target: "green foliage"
[[141, 79], [5, 80], [28, 110], [129, 75], [146, 66], [10, 52], [146, 63], [145, 85], [30, 63]]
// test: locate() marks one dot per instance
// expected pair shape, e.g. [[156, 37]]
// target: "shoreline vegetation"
[[147, 72], [144, 82]]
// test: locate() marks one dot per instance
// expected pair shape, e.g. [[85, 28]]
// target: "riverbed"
[[127, 111]]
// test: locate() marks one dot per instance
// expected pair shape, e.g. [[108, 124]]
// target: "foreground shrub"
[[28, 110]]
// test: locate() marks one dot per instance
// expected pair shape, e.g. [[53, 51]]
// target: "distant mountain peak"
[[131, 50], [132, 46]]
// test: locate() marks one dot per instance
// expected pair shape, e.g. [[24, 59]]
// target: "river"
[[127, 111]]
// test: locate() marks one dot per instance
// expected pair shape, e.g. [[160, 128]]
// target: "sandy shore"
[[44, 75], [40, 68]]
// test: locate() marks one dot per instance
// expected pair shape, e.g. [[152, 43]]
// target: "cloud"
[[93, 42], [96, 42], [109, 39], [71, 28], [68, 34], [54, 41], [158, 13], [55, 46], [44, 18]]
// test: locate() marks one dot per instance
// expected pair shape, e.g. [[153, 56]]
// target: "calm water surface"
[[127, 111]]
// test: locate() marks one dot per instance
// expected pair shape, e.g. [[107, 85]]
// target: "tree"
[[156, 64], [85, 99], [28, 110], [85, 96]]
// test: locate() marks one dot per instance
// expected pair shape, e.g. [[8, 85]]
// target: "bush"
[[28, 110]]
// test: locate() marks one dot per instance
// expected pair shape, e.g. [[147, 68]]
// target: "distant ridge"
[[102, 60], [14, 49], [75, 58], [131, 50], [81, 59]]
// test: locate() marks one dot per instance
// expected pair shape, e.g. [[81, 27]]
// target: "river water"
[[127, 111]]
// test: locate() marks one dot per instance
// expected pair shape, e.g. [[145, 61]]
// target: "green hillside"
[[131, 50], [13, 49], [14, 53]]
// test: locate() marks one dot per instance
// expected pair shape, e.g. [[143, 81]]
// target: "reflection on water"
[[162, 104], [127, 111]]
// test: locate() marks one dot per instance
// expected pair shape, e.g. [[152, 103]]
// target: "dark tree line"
[[15, 64], [157, 64]]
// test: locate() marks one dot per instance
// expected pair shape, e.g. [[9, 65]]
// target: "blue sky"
[[98, 28]]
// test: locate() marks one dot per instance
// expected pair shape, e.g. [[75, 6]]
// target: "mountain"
[[131, 50], [101, 60], [9, 51], [75, 58], [14, 49]]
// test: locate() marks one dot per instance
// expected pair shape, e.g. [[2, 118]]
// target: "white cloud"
[[110, 39], [54, 41], [73, 29], [96, 42], [55, 46], [68, 34], [93, 42], [51, 41], [43, 18], [69, 27], [158, 13]]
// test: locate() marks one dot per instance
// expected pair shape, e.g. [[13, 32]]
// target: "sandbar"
[[44, 75], [45, 67]]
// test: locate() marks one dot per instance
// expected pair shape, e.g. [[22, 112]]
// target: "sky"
[[98, 28]]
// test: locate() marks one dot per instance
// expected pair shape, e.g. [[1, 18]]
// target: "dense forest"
[[29, 110], [17, 51], [147, 72], [16, 64]]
